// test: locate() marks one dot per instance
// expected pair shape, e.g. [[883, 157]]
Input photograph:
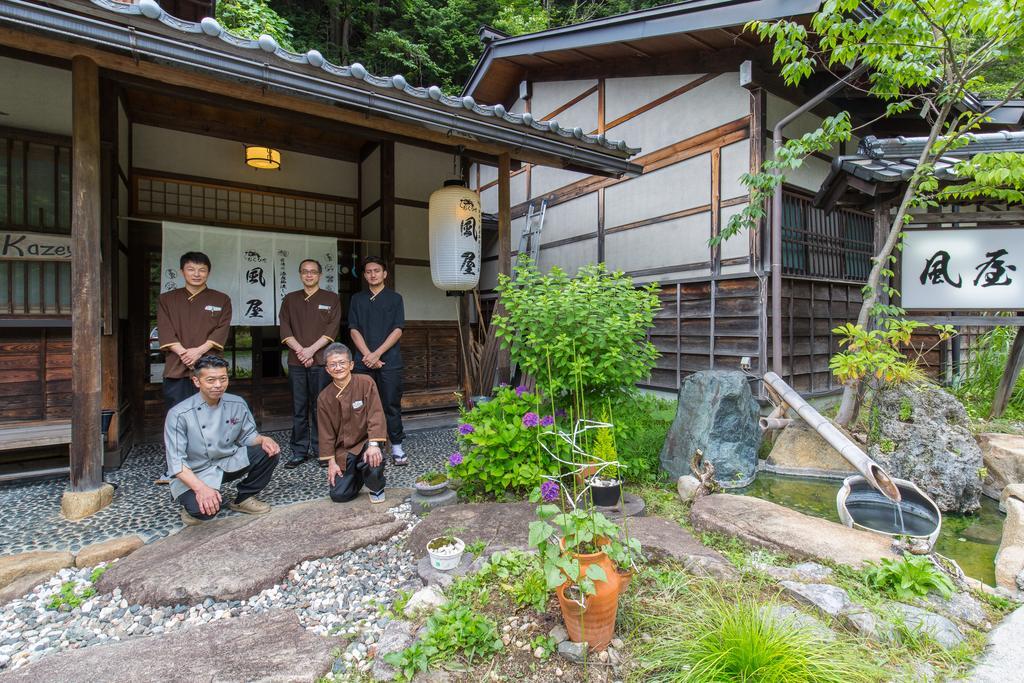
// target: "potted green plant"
[[605, 485], [431, 483], [445, 552]]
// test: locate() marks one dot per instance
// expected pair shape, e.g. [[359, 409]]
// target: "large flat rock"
[[236, 557], [266, 647], [765, 524], [1003, 660], [504, 526]]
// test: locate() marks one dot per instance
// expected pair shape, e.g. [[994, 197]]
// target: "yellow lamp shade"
[[262, 157]]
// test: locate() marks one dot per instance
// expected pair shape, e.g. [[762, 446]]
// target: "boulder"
[[105, 551], [22, 586], [937, 627], [397, 636], [1003, 660], [233, 558], [960, 606], [14, 567], [800, 450], [1003, 455], [272, 646], [796, 619], [469, 564], [718, 415], [922, 433], [830, 601], [424, 601], [688, 487], [767, 525], [1010, 557]]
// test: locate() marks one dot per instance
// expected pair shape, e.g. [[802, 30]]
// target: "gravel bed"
[[335, 596]]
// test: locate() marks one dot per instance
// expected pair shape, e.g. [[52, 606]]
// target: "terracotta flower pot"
[[625, 577], [594, 623]]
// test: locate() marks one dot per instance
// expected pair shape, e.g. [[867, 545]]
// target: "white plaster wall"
[[489, 200], [545, 179], [673, 188], [582, 114], [411, 232], [370, 231], [423, 301], [735, 162], [680, 241], [569, 257], [550, 95], [810, 175], [517, 188], [488, 174], [419, 171], [370, 179], [200, 155], [814, 170], [707, 106], [739, 245], [35, 97], [623, 95], [577, 217]]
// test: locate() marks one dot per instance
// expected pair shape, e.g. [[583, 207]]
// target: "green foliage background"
[[430, 42]]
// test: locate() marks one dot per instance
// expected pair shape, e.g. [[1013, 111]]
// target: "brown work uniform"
[[307, 318], [191, 320], [348, 418]]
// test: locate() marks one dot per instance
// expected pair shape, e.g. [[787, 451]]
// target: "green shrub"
[[587, 333], [911, 576], [981, 370], [500, 453], [69, 598], [642, 422], [455, 631]]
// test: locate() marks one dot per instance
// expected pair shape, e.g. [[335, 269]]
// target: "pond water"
[[971, 540]]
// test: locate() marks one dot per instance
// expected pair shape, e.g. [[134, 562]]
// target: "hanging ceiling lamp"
[[264, 158], [455, 235]]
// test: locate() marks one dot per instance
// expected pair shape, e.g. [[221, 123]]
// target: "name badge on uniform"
[[212, 308], [356, 405], [324, 307]]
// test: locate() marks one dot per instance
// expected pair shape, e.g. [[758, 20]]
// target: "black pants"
[[176, 390], [257, 476], [306, 384], [357, 472], [389, 386]]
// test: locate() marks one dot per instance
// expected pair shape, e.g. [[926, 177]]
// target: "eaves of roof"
[[263, 61]]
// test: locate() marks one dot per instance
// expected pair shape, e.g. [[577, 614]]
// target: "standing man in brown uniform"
[[309, 318], [352, 429]]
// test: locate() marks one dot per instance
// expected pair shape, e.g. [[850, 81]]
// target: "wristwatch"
[[374, 444]]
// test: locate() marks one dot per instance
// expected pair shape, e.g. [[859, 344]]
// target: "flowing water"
[[971, 540]]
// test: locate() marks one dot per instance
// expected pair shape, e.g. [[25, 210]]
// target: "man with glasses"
[[211, 438], [376, 317], [352, 428], [191, 321], [310, 318]]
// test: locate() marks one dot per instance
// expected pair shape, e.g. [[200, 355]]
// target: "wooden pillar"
[[504, 246], [1014, 365], [86, 371]]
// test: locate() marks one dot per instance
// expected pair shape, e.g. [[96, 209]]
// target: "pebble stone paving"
[[32, 519]]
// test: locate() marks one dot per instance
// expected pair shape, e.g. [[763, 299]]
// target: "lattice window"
[[837, 245], [227, 205]]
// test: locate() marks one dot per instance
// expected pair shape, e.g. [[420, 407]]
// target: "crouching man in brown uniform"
[[351, 428]]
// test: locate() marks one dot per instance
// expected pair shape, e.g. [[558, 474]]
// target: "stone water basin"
[[971, 540]]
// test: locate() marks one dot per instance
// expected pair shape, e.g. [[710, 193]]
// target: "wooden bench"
[[39, 434]]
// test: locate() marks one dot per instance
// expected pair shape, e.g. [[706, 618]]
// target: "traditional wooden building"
[[118, 120], [701, 97]]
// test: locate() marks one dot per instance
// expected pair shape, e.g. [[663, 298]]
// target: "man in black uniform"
[[376, 317]]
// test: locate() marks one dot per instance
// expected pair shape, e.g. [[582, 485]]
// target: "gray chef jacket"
[[208, 441]]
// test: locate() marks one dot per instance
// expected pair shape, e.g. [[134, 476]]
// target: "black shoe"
[[294, 462]]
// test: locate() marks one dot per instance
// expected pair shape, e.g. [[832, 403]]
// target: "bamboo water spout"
[[853, 454]]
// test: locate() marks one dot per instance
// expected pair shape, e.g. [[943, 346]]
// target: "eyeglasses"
[[338, 364]]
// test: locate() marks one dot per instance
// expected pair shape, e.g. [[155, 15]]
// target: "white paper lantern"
[[455, 235]]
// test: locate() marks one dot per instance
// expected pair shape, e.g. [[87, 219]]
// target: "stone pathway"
[[1004, 656], [32, 519], [267, 647]]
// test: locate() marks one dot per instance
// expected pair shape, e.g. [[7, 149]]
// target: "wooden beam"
[[757, 138], [504, 247], [681, 90], [1014, 365], [974, 217], [716, 213], [86, 372]]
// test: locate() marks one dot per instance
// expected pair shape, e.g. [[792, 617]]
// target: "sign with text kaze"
[[965, 269], [34, 246]]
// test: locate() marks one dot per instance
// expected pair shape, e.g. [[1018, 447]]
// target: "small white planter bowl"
[[448, 557]]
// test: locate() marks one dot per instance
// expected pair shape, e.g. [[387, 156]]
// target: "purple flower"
[[466, 429], [455, 459], [531, 420], [559, 413], [547, 421], [549, 491], [520, 390]]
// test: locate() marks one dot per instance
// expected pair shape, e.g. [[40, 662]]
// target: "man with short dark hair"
[[376, 317], [351, 423], [191, 321], [211, 438], [309, 318]]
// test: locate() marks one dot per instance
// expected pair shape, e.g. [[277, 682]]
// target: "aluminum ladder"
[[529, 239]]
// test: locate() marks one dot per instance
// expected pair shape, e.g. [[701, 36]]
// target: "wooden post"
[[1014, 365], [504, 246], [86, 371]]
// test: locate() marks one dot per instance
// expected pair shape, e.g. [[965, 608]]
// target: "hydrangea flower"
[[520, 390], [466, 429], [455, 459], [549, 491], [531, 420], [547, 421], [559, 413]]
